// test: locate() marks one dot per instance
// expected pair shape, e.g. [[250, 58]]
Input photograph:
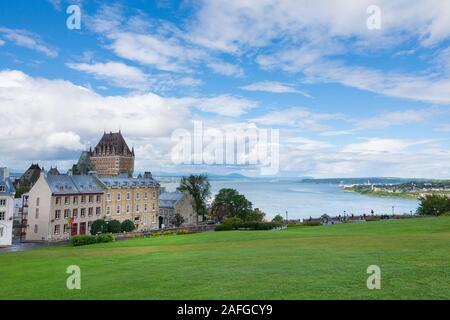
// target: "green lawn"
[[326, 262]]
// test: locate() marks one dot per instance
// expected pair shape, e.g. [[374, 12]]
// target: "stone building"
[[172, 203], [112, 156], [135, 199], [29, 178], [7, 192], [62, 205]]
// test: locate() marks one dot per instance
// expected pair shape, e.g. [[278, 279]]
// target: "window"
[[154, 195], [118, 210], [36, 214], [108, 211], [58, 201], [128, 208], [153, 206], [98, 211], [66, 228], [75, 213], [2, 215], [137, 208], [2, 188], [91, 199], [154, 218], [99, 198], [128, 196], [57, 214], [75, 200], [145, 195], [89, 226], [83, 199], [57, 229], [90, 212], [145, 221], [83, 212], [35, 228], [1, 232], [119, 196], [108, 197], [2, 202], [38, 200], [145, 207], [67, 213], [66, 200], [138, 196]]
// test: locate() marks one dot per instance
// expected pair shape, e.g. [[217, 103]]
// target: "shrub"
[[313, 223], [82, 240], [127, 226], [234, 222], [278, 218], [183, 231], [248, 226], [99, 226], [167, 233], [114, 226], [434, 205], [105, 237]]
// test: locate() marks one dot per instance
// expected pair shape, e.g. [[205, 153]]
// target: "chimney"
[[5, 172]]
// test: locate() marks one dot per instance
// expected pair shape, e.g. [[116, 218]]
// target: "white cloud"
[[377, 145], [274, 87], [300, 117], [389, 119], [226, 69], [309, 144], [119, 73], [2, 42], [64, 140], [28, 40], [225, 105]]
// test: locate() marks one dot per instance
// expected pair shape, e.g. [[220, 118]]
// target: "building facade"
[[60, 206], [135, 199], [173, 203], [7, 193], [112, 156]]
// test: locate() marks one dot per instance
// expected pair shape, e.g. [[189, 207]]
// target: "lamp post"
[[287, 218]]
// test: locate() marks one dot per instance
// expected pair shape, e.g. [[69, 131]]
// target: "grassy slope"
[[327, 262]]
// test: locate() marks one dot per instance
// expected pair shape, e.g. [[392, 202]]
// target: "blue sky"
[[348, 101]]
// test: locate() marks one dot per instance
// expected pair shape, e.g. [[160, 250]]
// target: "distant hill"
[[368, 180]]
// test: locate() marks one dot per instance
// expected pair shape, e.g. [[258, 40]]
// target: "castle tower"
[[112, 156]]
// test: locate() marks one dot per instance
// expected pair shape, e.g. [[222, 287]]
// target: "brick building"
[[112, 156]]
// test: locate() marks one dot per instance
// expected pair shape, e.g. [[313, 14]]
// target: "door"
[[74, 229], [83, 228], [161, 221]]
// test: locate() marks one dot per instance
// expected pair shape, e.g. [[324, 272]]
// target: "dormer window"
[[2, 188]]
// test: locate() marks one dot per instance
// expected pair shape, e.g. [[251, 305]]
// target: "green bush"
[[248, 226], [183, 231], [127, 226], [434, 205], [114, 226], [82, 240], [313, 223], [167, 233], [99, 226], [105, 237]]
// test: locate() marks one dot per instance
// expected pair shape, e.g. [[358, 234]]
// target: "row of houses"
[[60, 206], [101, 185]]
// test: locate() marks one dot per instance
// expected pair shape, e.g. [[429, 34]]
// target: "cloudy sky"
[[348, 100]]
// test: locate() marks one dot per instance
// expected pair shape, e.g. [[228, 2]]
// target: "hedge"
[[84, 240], [248, 226]]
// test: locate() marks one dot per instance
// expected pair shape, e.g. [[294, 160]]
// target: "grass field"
[[328, 262]]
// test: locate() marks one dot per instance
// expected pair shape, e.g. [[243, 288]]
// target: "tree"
[[127, 226], [114, 226], [199, 188], [21, 190], [278, 218], [228, 203], [178, 220], [99, 226], [434, 205]]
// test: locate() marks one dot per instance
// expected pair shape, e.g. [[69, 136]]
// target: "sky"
[[353, 91]]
